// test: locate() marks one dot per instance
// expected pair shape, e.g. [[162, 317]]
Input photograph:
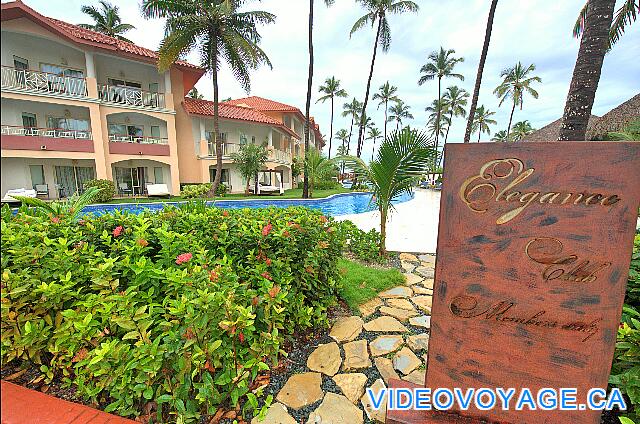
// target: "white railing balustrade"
[[280, 156], [125, 138], [45, 132], [227, 149], [130, 96], [42, 82]]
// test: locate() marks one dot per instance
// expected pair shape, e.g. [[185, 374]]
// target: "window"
[[243, 139], [61, 70], [154, 87], [29, 120], [155, 131], [68, 123], [158, 175], [71, 179], [37, 175], [123, 83], [253, 139], [122, 129], [224, 178], [20, 63]]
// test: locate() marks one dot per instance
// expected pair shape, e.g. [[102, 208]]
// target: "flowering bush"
[[107, 189], [193, 191], [174, 312]]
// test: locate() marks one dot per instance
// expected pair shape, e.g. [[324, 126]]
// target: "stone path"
[[389, 340]]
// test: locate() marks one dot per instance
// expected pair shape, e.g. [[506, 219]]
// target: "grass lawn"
[[295, 193], [361, 283]]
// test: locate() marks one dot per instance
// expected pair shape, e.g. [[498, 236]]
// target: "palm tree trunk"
[[349, 141], [437, 128], [305, 186], [446, 137], [483, 58], [386, 104], [216, 124], [511, 118], [366, 95], [331, 128], [397, 124], [383, 231], [479, 132], [586, 73]]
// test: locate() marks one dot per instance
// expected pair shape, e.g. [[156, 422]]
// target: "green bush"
[[221, 190], [363, 245], [327, 185], [107, 189], [180, 308], [192, 191]]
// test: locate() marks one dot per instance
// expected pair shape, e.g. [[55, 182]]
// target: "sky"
[[530, 31]]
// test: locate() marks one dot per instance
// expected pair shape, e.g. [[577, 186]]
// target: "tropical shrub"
[[221, 190], [107, 189], [363, 245], [192, 191], [175, 311]]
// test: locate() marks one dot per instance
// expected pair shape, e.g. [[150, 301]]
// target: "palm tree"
[[386, 93], [501, 136], [625, 15], [515, 84], [483, 58], [194, 94], [400, 162], [249, 161], [307, 122], [353, 110], [437, 120], [106, 20], [455, 99], [318, 168], [482, 121], [377, 11], [440, 65], [343, 150], [68, 208], [374, 134], [331, 89], [586, 73], [521, 129], [218, 31], [398, 112]]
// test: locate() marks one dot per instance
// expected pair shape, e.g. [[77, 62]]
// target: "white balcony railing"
[[42, 82], [45, 132], [227, 149], [130, 96], [125, 138], [280, 156]]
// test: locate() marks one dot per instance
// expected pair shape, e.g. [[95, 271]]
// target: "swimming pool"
[[339, 204]]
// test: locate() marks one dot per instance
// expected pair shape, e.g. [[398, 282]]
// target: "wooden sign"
[[534, 246]]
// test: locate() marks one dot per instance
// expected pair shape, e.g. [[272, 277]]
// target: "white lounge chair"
[[17, 192], [158, 190], [265, 188]]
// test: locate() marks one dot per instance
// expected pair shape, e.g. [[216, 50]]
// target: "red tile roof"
[[260, 103], [229, 111]]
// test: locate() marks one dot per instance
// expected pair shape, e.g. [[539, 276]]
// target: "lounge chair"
[[17, 192], [124, 188], [42, 190], [158, 190]]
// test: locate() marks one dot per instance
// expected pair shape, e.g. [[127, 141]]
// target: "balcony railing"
[[125, 138], [42, 82], [280, 156], [227, 149], [130, 96], [46, 132]]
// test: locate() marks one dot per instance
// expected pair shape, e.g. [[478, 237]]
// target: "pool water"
[[339, 204]]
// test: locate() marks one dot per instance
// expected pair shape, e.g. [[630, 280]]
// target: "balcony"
[[281, 156], [129, 96], [54, 139], [42, 82], [227, 149], [125, 144]]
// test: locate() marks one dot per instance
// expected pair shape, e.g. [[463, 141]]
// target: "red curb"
[[25, 406]]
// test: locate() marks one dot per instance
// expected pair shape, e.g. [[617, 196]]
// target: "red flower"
[[117, 231], [268, 262], [143, 242], [225, 213], [183, 257], [255, 301], [55, 220], [267, 229], [324, 218], [213, 276], [82, 222], [241, 337], [266, 275], [273, 292]]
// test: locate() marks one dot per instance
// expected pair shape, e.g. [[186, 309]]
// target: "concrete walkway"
[[413, 225]]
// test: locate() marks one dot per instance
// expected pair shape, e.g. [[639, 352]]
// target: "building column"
[[270, 138], [100, 143], [173, 155], [168, 94], [92, 82]]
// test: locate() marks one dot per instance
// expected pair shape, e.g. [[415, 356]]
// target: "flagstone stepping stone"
[[385, 367], [425, 271], [400, 303], [301, 390], [428, 283], [325, 359], [336, 409], [418, 342], [385, 344], [408, 257], [370, 306], [406, 361], [421, 321], [415, 377], [401, 314], [346, 329], [276, 414], [385, 324], [376, 415], [423, 302], [411, 279], [427, 258], [352, 385], [407, 266], [418, 289], [396, 292], [356, 355]]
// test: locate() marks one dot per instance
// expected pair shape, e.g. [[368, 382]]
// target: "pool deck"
[[412, 226]]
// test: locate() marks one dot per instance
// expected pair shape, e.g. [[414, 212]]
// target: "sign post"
[[534, 246]]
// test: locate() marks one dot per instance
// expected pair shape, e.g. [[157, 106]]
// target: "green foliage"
[[221, 190], [180, 308], [320, 169], [633, 284], [68, 208], [192, 191], [630, 133], [107, 189], [250, 160], [361, 283], [363, 245], [329, 184]]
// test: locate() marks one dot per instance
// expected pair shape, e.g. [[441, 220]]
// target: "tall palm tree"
[[319, 168], [521, 129], [400, 162], [307, 122], [625, 15], [331, 89], [374, 134], [482, 121], [377, 11], [399, 111], [441, 65], [483, 58], [515, 84], [500, 136], [437, 118], [353, 110], [106, 20], [455, 99], [194, 94], [586, 73], [342, 150], [386, 93], [218, 31]]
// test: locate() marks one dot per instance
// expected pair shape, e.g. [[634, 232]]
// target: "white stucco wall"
[[40, 50], [11, 113]]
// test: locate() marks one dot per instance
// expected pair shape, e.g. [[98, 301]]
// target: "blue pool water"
[[341, 204]]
